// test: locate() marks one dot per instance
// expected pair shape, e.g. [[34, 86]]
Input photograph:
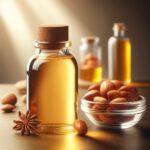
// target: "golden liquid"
[[53, 92], [119, 59], [93, 74], [123, 65]]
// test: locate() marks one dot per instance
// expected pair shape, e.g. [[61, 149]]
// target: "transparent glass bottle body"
[[119, 57], [90, 61], [52, 89]]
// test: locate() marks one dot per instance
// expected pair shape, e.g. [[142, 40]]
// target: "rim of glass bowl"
[[140, 109]]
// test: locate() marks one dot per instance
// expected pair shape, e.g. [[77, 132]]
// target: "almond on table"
[[9, 99], [7, 107], [81, 127]]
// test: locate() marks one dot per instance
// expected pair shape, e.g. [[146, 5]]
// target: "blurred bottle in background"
[[90, 59], [119, 54]]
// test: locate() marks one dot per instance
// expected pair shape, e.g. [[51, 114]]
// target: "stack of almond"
[[111, 95], [8, 102], [90, 61]]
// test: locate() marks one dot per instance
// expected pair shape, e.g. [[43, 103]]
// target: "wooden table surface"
[[135, 138]]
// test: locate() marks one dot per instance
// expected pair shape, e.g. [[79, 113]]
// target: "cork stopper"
[[119, 26], [55, 36], [90, 39]]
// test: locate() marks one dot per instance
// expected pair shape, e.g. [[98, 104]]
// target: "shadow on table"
[[106, 138]]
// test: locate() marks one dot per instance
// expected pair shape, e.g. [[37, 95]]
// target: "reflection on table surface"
[[135, 138]]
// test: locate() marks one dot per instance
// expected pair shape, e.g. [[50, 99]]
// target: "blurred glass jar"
[[90, 59]]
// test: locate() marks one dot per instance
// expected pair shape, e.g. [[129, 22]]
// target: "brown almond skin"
[[81, 127], [105, 87], [117, 83], [102, 106], [129, 88], [113, 94], [94, 87], [9, 99], [119, 100], [130, 96], [91, 94], [112, 119], [114, 106], [7, 107]]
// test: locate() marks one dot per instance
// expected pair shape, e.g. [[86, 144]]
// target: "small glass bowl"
[[117, 115]]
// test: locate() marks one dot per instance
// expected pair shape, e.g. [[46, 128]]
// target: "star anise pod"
[[27, 124]]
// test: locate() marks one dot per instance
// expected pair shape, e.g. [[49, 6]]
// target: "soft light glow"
[[16, 27], [53, 12], [21, 18]]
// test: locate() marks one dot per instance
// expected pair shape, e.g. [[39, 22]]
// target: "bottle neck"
[[52, 48], [45, 52], [119, 33]]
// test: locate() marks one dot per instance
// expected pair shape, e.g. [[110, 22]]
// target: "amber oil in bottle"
[[52, 81], [119, 55], [90, 59]]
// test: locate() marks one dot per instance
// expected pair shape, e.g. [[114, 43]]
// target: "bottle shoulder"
[[115, 40], [31, 61], [118, 38], [38, 60]]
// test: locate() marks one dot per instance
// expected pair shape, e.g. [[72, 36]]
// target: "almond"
[[117, 83], [7, 107], [94, 87], [129, 96], [110, 118], [102, 103], [100, 99], [129, 88], [113, 94], [80, 126], [115, 104], [105, 87], [119, 100], [91, 94], [113, 119], [9, 99]]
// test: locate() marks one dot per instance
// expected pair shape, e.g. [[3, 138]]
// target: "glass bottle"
[[90, 59], [119, 55], [52, 81]]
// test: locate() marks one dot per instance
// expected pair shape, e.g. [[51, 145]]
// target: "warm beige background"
[[20, 18]]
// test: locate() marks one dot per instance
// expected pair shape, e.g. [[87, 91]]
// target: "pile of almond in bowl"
[[112, 104]]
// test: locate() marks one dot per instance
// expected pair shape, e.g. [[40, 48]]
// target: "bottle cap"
[[53, 36], [90, 40], [119, 26]]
